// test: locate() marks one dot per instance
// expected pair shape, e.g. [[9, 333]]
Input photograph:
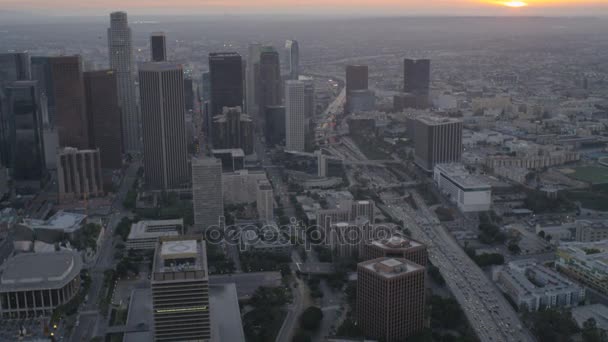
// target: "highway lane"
[[492, 318]]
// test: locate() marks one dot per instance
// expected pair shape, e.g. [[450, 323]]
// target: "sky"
[[326, 7]]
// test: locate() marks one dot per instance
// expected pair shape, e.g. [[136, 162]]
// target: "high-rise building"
[[396, 246], [24, 134], [356, 77], [265, 201], [390, 298], [437, 140], [417, 77], [269, 82], [295, 117], [68, 91], [252, 71], [207, 198], [356, 84], [188, 93], [158, 47], [180, 290], [121, 60], [14, 67], [293, 57], [275, 125], [309, 97], [226, 81], [78, 174], [233, 129], [104, 116], [164, 126], [41, 71]]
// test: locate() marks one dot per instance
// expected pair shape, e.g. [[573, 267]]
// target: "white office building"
[[265, 201], [295, 116], [468, 192]]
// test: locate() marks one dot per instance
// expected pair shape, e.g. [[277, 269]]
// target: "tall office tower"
[[14, 67], [295, 117], [121, 60], [293, 57], [265, 201], [158, 47], [68, 90], [180, 290], [417, 77], [25, 142], [253, 60], [226, 81], [309, 97], [161, 87], [437, 140], [356, 77], [275, 125], [207, 196], [104, 116], [189, 93], [269, 84], [78, 174], [233, 129], [396, 246], [41, 71], [390, 298]]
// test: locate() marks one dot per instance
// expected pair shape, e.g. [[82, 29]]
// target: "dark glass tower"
[[269, 87], [68, 90], [104, 116], [41, 72], [14, 67], [226, 81], [25, 146], [416, 76], [158, 47], [356, 77]]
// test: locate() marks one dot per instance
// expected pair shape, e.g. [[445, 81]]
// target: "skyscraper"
[[14, 67], [226, 81], [78, 173], [104, 116], [121, 60], [437, 140], [275, 125], [158, 47], [293, 57], [253, 60], [356, 77], [295, 116], [207, 196], [269, 82], [180, 290], [164, 127], [68, 91], [41, 71], [417, 77], [390, 298], [233, 129], [24, 143]]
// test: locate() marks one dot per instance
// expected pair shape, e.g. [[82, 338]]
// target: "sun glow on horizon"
[[514, 4]]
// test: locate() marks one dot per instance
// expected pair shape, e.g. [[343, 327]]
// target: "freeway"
[[488, 313]]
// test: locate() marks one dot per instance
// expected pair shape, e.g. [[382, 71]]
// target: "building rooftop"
[[460, 175], [155, 228], [174, 255], [179, 249], [37, 271], [437, 120], [390, 267], [65, 221], [235, 152], [396, 242], [225, 314]]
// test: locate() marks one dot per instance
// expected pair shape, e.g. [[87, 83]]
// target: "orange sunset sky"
[[389, 7]]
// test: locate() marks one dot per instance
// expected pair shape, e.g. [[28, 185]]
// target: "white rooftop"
[[179, 249]]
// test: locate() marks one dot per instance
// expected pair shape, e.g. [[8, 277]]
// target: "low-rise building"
[[535, 286], [241, 186], [591, 231], [468, 192], [56, 227], [144, 234], [267, 239], [586, 262], [33, 285]]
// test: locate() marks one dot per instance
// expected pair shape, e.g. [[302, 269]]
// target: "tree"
[[591, 333], [311, 318]]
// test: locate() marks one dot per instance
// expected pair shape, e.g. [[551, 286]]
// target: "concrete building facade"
[[79, 174]]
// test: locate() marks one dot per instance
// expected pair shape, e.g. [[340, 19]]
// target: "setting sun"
[[514, 4]]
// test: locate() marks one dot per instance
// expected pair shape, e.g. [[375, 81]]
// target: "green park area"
[[591, 174]]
